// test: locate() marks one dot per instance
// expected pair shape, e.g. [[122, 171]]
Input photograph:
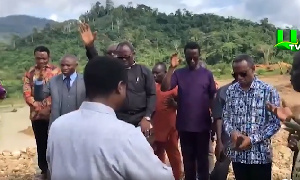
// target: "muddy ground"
[[18, 158]]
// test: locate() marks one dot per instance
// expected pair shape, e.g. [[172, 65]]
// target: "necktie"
[[67, 81]]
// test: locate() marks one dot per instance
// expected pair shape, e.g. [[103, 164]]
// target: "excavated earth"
[[21, 164]]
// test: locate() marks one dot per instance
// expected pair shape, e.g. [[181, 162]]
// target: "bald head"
[[68, 64], [71, 57], [111, 49]]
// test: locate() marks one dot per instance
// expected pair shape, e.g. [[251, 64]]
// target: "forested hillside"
[[20, 25], [155, 35]]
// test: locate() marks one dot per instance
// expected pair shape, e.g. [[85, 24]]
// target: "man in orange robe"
[[164, 120]]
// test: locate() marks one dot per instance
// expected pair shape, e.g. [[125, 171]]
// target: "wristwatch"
[[147, 118]]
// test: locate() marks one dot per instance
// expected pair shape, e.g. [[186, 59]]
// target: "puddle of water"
[[15, 129]]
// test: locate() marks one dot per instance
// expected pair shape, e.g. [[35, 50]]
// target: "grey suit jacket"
[[54, 89]]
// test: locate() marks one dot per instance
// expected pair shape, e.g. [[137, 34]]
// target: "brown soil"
[[28, 131]]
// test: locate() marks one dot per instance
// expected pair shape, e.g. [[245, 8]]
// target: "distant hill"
[[21, 25]]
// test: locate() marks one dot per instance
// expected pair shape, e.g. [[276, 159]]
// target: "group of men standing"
[[87, 140]]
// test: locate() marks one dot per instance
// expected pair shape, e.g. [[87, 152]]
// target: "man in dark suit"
[[67, 90]]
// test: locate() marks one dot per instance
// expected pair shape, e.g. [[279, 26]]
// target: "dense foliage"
[[155, 35]]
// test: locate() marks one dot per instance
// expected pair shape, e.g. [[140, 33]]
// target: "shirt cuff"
[[39, 82]]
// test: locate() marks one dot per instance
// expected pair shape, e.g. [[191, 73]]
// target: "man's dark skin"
[[284, 112], [295, 72], [244, 73], [89, 38], [68, 66], [159, 72], [124, 52], [41, 60], [111, 50], [192, 60], [218, 124]]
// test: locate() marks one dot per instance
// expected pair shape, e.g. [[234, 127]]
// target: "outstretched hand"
[[88, 37], [284, 113]]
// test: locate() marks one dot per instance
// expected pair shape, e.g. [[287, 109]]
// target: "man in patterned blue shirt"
[[248, 123]]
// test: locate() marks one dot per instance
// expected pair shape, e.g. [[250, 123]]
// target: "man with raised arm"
[[141, 91], [196, 90]]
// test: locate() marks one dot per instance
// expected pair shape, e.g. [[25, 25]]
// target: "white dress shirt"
[[92, 144]]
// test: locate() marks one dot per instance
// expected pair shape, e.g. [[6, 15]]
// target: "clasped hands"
[[240, 141]]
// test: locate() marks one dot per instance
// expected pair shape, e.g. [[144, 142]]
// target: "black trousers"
[[294, 161], [40, 129], [194, 147], [220, 171], [252, 171]]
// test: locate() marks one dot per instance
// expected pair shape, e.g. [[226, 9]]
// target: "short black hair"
[[42, 49], [126, 43], [161, 64], [244, 57], [102, 76], [191, 45]]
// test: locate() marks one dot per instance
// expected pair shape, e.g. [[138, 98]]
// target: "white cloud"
[[53, 17], [278, 12]]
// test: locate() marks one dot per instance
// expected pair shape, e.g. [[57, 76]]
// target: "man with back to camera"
[[196, 90], [141, 95], [67, 90], [98, 145]]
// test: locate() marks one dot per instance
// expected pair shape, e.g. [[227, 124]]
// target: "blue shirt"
[[100, 146], [245, 111], [72, 77]]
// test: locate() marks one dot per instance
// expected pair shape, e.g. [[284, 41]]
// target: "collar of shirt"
[[132, 65], [253, 84], [72, 76], [98, 107]]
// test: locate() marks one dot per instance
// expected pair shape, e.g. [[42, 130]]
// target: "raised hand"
[[88, 37], [175, 61]]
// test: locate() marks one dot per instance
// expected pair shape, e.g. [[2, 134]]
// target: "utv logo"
[[292, 45]]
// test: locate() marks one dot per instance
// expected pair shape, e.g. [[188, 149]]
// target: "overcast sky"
[[279, 12]]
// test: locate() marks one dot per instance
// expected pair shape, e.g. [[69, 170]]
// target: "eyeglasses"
[[242, 74]]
